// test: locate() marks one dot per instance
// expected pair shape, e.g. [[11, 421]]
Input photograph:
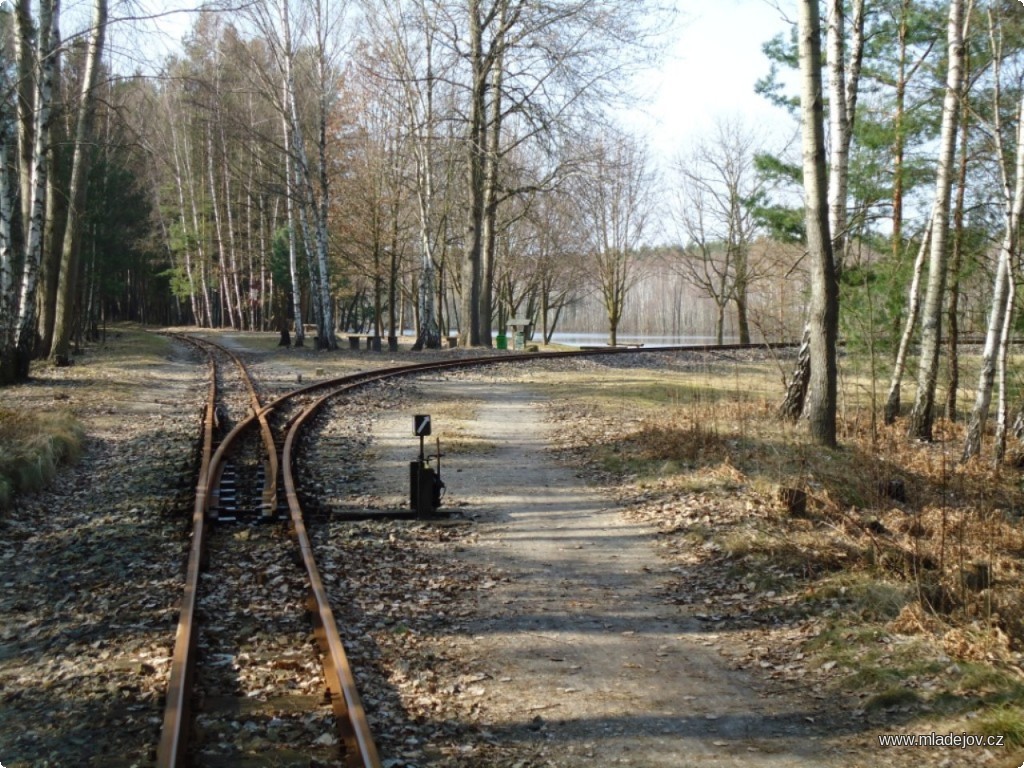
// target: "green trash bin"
[[502, 341]]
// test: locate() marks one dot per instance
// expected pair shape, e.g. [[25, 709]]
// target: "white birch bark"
[[197, 316], [922, 416], [892, 403], [844, 64], [296, 157], [1002, 414], [68, 278], [232, 246], [838, 126], [222, 255], [418, 76], [197, 233], [326, 336], [996, 337], [46, 55], [293, 256], [824, 306], [8, 142]]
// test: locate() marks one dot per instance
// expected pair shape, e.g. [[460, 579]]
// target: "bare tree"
[[892, 403], [408, 34], [616, 199], [843, 80], [719, 186], [69, 269], [557, 266], [993, 356], [824, 308], [844, 66], [531, 69], [922, 416], [18, 306]]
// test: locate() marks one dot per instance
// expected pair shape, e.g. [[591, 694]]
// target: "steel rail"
[[361, 751], [176, 724], [273, 467], [174, 736]]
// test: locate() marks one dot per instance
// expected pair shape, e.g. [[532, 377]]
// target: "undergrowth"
[[32, 447], [903, 566]]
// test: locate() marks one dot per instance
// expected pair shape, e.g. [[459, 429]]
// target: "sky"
[[713, 60], [710, 74]]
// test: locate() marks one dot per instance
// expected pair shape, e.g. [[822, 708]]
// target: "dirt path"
[[574, 646]]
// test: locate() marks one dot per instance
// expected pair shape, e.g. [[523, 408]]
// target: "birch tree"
[[922, 415], [409, 35], [844, 67], [824, 305], [18, 327], [71, 241], [993, 356]]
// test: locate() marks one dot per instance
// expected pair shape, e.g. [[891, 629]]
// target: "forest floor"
[[618, 582]]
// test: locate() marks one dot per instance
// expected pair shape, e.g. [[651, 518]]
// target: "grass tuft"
[[32, 447], [1005, 721]]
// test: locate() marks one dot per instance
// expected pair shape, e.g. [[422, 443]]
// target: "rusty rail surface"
[[267, 435], [360, 750], [174, 734], [174, 737]]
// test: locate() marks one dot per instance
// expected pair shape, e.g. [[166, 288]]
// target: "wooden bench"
[[372, 342]]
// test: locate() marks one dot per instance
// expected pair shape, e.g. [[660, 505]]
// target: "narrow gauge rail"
[[250, 603], [359, 749]]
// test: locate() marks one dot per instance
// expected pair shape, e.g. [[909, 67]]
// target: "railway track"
[[245, 678]]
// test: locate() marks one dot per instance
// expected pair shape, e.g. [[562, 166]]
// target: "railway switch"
[[426, 489]]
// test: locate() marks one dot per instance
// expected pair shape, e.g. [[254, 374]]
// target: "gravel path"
[[576, 651]]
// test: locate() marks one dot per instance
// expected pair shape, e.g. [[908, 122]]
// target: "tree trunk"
[[325, 330], [53, 237], [8, 147], [222, 256], [1002, 415], [26, 86], [68, 286], [472, 275], [892, 403], [953, 297], [26, 326], [796, 391], [824, 306], [232, 249], [998, 312], [923, 414], [899, 135]]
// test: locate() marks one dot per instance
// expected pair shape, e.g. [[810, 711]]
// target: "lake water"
[[600, 339]]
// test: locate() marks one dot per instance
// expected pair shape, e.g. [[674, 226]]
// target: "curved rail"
[[174, 733], [173, 745], [273, 468], [360, 750]]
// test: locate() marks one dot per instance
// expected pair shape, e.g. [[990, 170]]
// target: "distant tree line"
[[445, 165]]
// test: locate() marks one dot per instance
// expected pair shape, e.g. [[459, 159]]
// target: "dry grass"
[[905, 569], [32, 447]]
